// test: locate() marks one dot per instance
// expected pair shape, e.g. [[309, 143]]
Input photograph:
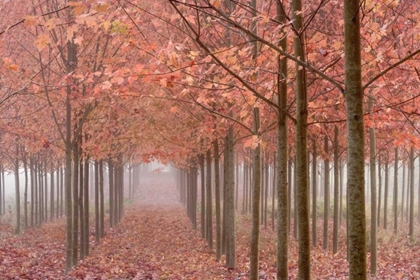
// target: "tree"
[[355, 133]]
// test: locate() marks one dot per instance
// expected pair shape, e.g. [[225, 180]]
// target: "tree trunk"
[[326, 193], [336, 185], [76, 204], [255, 233], [395, 202], [209, 220], [101, 199], [379, 191], [203, 198], [86, 207], [82, 194], [386, 193], [355, 133], [33, 205], [283, 188], [304, 262], [111, 192], [97, 229], [373, 206], [217, 194], [52, 193], [411, 220], [71, 65], [25, 168], [230, 206], [17, 190], [314, 193]]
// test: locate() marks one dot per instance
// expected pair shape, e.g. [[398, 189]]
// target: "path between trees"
[[155, 240]]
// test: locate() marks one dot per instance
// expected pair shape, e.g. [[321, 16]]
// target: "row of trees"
[[169, 79]]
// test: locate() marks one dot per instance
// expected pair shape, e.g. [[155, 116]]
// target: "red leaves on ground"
[[155, 241]]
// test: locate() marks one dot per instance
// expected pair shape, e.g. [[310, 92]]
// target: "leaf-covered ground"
[[155, 241]]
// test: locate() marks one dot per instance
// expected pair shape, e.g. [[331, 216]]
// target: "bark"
[[379, 191], [255, 232], [86, 207], [341, 190], [209, 220], [373, 198], [230, 206], [386, 193], [403, 192], [217, 197], [52, 193], [101, 200], [71, 65], [314, 193], [267, 183], [326, 193], [97, 229], [283, 188], [111, 192], [355, 133], [395, 202], [17, 190], [273, 193], [25, 194], [411, 220], [203, 198], [336, 193], [76, 204], [304, 262], [81, 205], [33, 205]]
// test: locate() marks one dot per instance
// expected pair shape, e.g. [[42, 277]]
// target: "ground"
[[155, 240]]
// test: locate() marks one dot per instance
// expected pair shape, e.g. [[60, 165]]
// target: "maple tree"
[[122, 82]]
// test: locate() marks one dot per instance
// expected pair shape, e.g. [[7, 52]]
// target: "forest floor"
[[155, 240]]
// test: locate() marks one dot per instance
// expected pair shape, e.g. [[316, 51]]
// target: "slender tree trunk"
[[411, 220], [255, 233], [25, 168], [217, 194], [314, 193], [274, 193], [82, 195], [386, 193], [97, 229], [326, 193], [304, 262], [209, 220], [373, 206], [225, 186], [17, 190], [355, 133], [101, 199], [283, 188], [36, 202], [230, 206], [203, 198], [267, 183], [403, 192], [341, 190], [33, 205], [76, 204], [72, 60], [111, 192], [291, 184], [395, 202], [336, 189], [52, 193], [86, 207], [379, 191]]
